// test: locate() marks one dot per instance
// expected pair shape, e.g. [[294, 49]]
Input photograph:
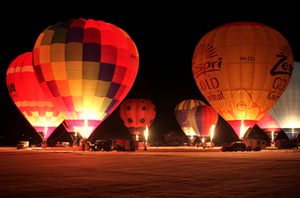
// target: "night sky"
[[165, 36]]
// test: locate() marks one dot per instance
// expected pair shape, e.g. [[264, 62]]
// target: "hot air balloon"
[[181, 113], [203, 120], [242, 69], [286, 111], [86, 68], [28, 96], [137, 114], [269, 126]]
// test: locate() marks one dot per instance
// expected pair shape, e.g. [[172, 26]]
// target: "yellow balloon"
[[242, 69]]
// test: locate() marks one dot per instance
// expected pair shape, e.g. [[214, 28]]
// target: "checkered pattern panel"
[[86, 67]]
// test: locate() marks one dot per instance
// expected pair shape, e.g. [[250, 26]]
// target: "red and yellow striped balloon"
[[181, 113], [28, 96], [202, 119]]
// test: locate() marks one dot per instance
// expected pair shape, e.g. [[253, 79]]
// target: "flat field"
[[153, 173]]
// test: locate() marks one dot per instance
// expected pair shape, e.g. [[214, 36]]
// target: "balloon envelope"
[[286, 111], [28, 96], [86, 68], [202, 118], [181, 113], [242, 69], [267, 123], [137, 114], [269, 126]]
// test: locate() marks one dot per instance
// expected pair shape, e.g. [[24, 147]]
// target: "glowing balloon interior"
[[242, 69], [181, 113], [86, 68], [269, 126], [26, 93], [267, 123]]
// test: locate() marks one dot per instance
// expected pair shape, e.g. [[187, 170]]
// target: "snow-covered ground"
[[159, 173]]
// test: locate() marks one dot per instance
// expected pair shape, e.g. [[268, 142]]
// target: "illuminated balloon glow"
[[27, 95], [86, 68], [242, 69], [137, 114], [268, 124], [181, 113], [286, 112], [202, 119]]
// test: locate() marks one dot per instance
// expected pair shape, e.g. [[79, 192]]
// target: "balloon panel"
[[202, 118], [181, 114], [242, 69], [26, 93], [268, 123], [136, 114], [86, 67], [286, 112], [189, 104]]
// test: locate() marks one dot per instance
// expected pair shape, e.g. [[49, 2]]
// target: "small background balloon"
[[137, 114], [181, 113], [203, 120]]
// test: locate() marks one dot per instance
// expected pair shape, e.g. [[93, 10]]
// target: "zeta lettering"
[[282, 67]]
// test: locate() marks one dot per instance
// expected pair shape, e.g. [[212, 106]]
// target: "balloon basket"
[[44, 144]]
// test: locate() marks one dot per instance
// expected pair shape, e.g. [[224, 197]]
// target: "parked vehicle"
[[235, 146], [101, 145], [23, 144], [207, 145]]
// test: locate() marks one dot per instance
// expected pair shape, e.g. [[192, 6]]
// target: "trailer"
[[255, 144], [125, 145]]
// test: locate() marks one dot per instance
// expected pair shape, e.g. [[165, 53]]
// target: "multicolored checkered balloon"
[[86, 68]]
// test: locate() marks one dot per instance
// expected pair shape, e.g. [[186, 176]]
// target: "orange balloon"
[[242, 69]]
